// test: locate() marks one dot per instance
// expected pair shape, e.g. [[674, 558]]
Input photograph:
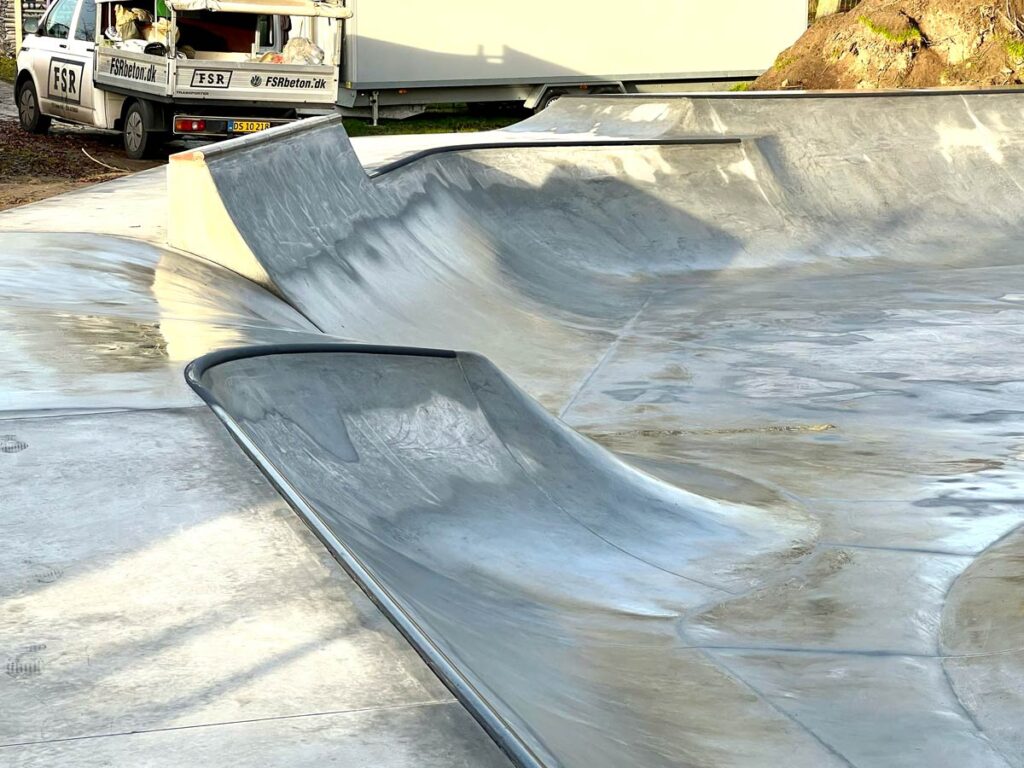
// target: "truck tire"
[[140, 140], [31, 119]]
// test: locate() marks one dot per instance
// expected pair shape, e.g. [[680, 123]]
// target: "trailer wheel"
[[31, 119], [140, 141], [548, 99]]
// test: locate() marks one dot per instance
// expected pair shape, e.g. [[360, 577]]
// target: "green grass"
[[912, 33], [438, 121], [1015, 48], [783, 62], [742, 86], [8, 69]]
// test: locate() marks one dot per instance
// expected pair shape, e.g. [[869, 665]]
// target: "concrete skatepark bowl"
[[724, 468]]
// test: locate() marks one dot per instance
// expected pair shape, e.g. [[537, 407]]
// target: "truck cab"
[[154, 69]]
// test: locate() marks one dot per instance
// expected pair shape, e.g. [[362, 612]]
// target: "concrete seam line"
[[219, 723]]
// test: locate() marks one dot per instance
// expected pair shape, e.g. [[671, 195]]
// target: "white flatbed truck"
[[73, 66]]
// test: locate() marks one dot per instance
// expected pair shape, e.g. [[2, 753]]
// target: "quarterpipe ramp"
[[793, 320], [516, 549]]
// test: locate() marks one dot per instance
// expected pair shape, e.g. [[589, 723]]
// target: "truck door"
[[58, 75], [79, 61]]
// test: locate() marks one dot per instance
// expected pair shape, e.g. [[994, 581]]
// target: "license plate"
[[247, 126]]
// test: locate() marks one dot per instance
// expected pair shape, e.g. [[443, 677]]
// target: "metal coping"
[[803, 94], [496, 726], [540, 143], [325, 121]]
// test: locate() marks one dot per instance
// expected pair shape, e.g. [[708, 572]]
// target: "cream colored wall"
[[469, 40]]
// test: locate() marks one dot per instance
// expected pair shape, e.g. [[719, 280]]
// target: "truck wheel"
[[139, 141], [31, 119]]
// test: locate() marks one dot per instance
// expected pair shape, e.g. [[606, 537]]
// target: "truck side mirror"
[[31, 25]]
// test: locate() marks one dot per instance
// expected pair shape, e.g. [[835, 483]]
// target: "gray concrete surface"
[[8, 107], [161, 605], [820, 310], [728, 475], [132, 207]]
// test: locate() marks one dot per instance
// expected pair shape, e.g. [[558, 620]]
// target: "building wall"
[[7, 37]]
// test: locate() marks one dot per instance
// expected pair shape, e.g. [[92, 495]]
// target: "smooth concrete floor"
[[787, 534]]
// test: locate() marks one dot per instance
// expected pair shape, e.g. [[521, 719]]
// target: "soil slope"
[[907, 44]]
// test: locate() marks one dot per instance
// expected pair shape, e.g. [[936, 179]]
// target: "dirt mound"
[[906, 44]]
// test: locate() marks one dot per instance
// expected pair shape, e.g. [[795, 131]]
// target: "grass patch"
[[1014, 48], [8, 69], [438, 120], [742, 86], [911, 33], [784, 61]]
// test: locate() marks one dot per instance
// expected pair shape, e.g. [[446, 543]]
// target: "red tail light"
[[189, 125]]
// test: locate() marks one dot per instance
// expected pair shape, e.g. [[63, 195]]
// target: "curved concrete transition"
[[533, 567], [792, 316], [726, 470]]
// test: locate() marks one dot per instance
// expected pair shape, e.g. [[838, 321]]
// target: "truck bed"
[[216, 80]]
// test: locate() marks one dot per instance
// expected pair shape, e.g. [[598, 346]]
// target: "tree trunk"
[[826, 8]]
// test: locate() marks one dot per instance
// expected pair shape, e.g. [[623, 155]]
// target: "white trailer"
[[398, 52], [76, 66]]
